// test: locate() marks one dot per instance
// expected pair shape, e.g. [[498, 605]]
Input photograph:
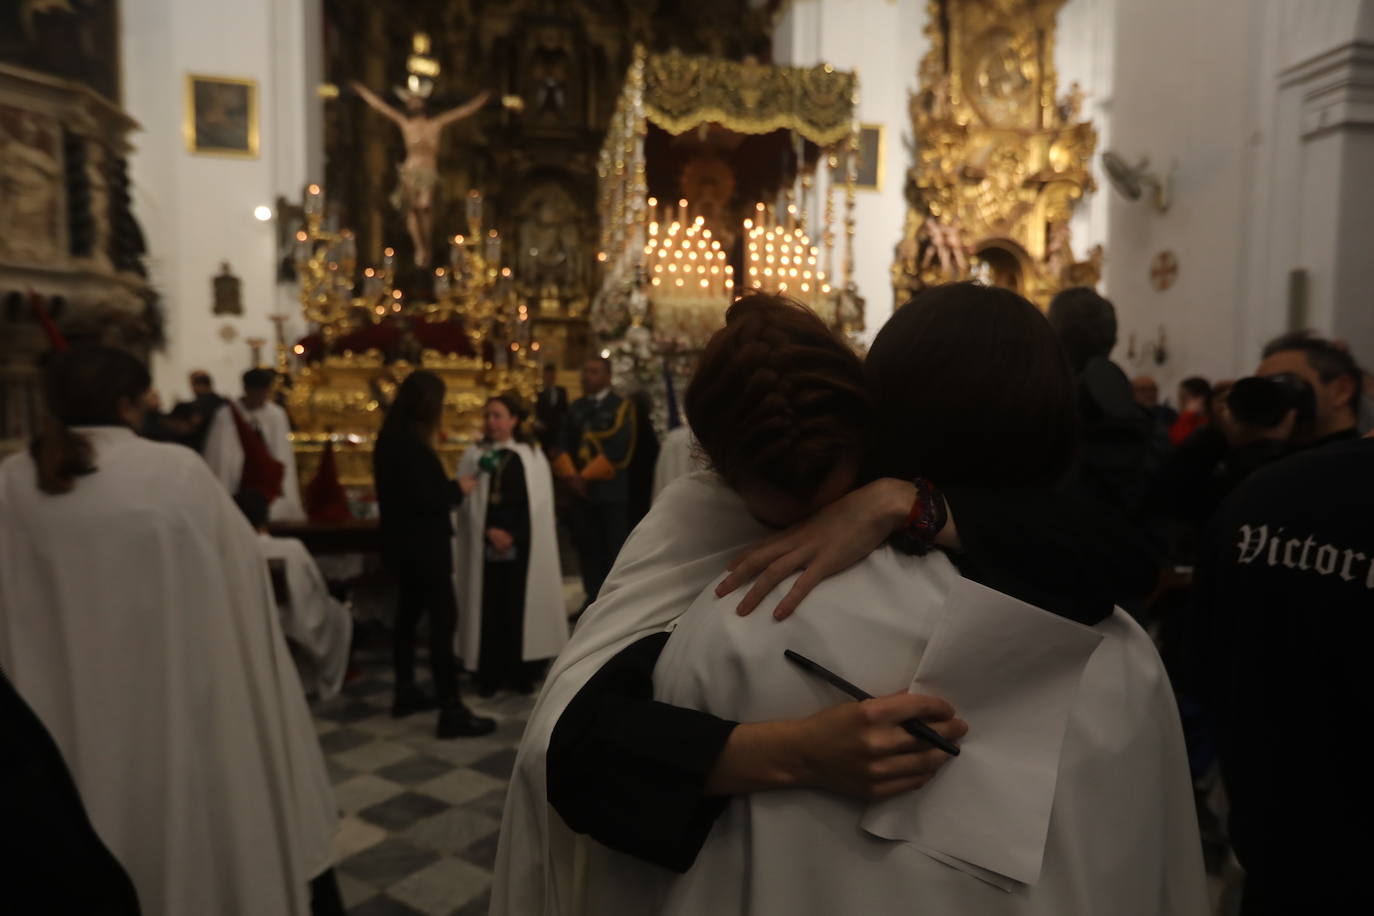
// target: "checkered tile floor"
[[419, 816]]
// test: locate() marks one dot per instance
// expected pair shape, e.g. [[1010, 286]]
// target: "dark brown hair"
[[1085, 322], [85, 386], [777, 397], [973, 388], [258, 379], [1329, 360], [418, 406], [515, 405]]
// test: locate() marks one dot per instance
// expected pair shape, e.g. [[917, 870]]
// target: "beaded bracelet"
[[925, 520]]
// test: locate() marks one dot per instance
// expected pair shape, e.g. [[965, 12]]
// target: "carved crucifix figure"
[[418, 175]]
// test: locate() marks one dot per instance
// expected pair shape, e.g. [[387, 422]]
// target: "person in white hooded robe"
[[224, 449], [506, 565], [581, 884], [1071, 794], [137, 620]]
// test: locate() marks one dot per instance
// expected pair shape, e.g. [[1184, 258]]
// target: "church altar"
[[471, 331], [1000, 158]]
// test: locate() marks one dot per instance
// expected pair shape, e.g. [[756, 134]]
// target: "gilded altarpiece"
[[1000, 157], [536, 166]]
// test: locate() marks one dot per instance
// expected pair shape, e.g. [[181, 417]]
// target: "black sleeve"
[[414, 478], [50, 850], [1060, 551], [570, 433], [1187, 487], [631, 772]]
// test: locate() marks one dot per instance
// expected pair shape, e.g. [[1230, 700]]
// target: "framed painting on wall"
[[869, 176], [221, 116]]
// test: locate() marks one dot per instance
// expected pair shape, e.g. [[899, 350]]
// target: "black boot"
[[459, 722], [410, 699]]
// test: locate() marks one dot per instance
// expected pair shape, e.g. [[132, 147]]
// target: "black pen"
[[914, 727]]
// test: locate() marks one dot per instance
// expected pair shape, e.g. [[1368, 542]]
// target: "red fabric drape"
[[325, 500], [59, 343], [261, 472]]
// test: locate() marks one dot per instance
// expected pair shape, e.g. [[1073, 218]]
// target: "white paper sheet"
[[1012, 671]]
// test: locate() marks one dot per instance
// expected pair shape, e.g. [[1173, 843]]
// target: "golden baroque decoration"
[[999, 160], [682, 92]]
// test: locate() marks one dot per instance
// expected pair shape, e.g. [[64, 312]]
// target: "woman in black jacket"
[[415, 498]]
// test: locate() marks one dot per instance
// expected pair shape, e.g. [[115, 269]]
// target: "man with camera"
[[1304, 394]]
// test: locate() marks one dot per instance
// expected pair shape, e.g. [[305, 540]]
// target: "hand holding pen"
[[914, 727]]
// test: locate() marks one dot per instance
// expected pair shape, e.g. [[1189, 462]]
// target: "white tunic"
[[136, 618], [691, 533], [1087, 811], [312, 619], [676, 458], [681, 548], [224, 453], [546, 614]]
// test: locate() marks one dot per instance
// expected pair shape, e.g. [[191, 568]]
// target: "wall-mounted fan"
[[1131, 181]]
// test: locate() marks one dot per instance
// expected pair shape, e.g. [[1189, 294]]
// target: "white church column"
[[883, 41], [1085, 53], [1334, 93]]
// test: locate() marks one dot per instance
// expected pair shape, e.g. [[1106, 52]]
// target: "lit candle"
[[493, 252], [457, 255], [314, 200], [474, 207]]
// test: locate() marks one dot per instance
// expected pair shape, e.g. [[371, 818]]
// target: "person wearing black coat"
[[51, 852], [415, 498]]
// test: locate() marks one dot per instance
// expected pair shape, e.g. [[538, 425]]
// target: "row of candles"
[[683, 260], [781, 257]]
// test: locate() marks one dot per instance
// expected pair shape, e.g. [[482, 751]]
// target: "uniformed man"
[[598, 444]]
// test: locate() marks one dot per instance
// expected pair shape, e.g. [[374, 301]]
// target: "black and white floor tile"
[[419, 817]]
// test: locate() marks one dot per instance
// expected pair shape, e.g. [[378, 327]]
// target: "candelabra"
[[690, 282], [474, 288], [326, 259], [780, 257]]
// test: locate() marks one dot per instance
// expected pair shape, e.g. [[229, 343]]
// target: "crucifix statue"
[[418, 175]]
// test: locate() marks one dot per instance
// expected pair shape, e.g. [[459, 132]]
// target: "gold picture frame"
[[221, 116], [869, 175]]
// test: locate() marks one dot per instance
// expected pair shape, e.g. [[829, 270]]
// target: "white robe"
[[224, 453], [318, 625], [676, 458], [1073, 779], [546, 614], [679, 549], [136, 618], [691, 533]]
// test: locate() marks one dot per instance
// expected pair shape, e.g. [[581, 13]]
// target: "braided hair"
[[778, 397]]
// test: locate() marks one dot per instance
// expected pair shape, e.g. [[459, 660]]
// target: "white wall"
[[884, 42], [197, 211], [1232, 93]]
